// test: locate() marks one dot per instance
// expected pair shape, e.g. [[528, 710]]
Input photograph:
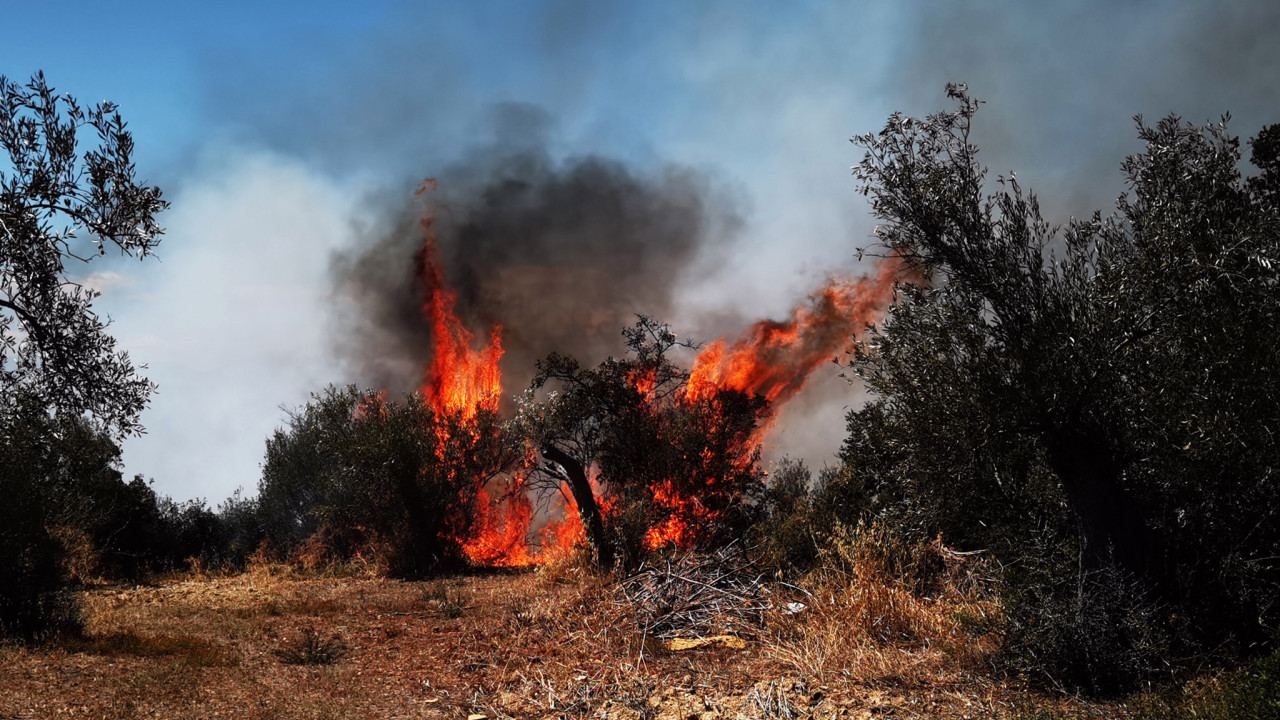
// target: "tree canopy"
[[1096, 400], [59, 202]]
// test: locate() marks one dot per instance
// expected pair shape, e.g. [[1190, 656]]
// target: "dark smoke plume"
[[560, 253]]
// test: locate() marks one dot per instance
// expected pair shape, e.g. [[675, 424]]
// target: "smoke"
[[1064, 80], [560, 253], [229, 318], [561, 223]]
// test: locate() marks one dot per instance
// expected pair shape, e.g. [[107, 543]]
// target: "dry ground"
[[543, 644]]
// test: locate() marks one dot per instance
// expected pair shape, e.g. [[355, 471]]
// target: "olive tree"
[[60, 202], [67, 193], [1096, 400], [659, 455]]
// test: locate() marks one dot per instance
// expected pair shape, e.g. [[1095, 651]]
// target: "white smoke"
[[231, 319]]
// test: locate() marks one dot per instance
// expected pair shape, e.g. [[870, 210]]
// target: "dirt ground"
[[537, 644]]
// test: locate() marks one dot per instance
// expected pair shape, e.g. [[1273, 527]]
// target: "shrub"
[[450, 603], [1251, 692], [786, 537], [35, 602], [310, 648], [1100, 632], [356, 473]]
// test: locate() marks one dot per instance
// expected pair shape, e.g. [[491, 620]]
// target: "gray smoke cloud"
[[1064, 80], [561, 223], [562, 254]]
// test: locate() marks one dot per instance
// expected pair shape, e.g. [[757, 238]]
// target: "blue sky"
[[279, 130]]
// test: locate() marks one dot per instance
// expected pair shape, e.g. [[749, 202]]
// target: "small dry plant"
[[885, 608], [772, 701], [311, 648], [450, 602]]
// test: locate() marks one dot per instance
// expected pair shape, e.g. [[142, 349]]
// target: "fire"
[[774, 358], [683, 513], [463, 380], [561, 538], [501, 531], [460, 379]]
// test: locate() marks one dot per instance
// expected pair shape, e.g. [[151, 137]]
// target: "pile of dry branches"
[[697, 595]]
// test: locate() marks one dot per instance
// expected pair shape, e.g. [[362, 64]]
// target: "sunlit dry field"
[[533, 644]]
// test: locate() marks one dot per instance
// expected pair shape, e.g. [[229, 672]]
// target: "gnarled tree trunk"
[[588, 508], [1112, 531]]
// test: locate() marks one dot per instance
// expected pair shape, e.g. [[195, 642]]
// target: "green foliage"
[[1099, 632], [1248, 693], [355, 472], [1094, 404], [68, 516], [53, 349], [785, 535], [63, 385], [34, 601]]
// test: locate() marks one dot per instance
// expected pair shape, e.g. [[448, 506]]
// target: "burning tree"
[[636, 453], [671, 466]]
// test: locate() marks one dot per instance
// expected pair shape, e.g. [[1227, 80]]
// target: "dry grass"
[[866, 612], [544, 644], [312, 648]]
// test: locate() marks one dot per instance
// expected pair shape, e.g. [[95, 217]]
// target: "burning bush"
[[634, 455]]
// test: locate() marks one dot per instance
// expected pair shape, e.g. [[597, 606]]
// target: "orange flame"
[[774, 358], [501, 531], [463, 380], [683, 512], [460, 379], [561, 537]]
